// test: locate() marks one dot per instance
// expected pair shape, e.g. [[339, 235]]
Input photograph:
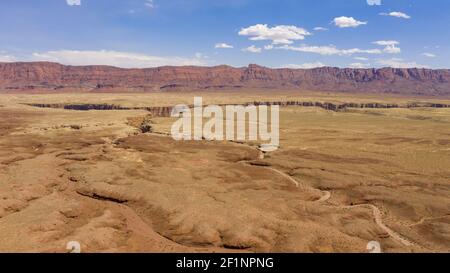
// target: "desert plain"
[[339, 180]]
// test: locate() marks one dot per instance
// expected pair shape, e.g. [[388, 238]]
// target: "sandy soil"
[[338, 181]]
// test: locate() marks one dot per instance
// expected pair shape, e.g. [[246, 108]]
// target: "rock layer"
[[165, 111], [53, 76]]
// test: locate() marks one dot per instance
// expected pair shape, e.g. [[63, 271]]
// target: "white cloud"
[[223, 45], [281, 34], [359, 65], [73, 2], [399, 63], [200, 55], [252, 49], [330, 50], [7, 59], [392, 49], [113, 58], [397, 14], [344, 22], [429, 55], [268, 47], [386, 43], [361, 58], [305, 65], [320, 29], [390, 46], [374, 2], [150, 4]]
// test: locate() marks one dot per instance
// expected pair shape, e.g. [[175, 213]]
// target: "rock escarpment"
[[53, 76], [165, 111]]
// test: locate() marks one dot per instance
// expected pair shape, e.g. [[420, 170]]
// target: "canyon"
[[86, 156], [165, 111], [110, 178], [102, 170]]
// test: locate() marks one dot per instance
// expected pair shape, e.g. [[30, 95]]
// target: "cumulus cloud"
[[281, 34], [305, 65], [73, 2], [252, 49], [329, 50], [399, 63], [429, 55], [390, 46], [392, 49], [374, 2], [397, 14], [223, 45], [345, 22], [113, 58]]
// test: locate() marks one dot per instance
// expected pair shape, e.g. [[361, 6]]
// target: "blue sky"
[[274, 33]]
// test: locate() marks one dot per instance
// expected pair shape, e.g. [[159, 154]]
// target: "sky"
[[272, 33]]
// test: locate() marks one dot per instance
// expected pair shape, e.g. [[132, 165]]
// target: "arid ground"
[[339, 180]]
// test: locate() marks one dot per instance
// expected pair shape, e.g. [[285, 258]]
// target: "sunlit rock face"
[[52, 76]]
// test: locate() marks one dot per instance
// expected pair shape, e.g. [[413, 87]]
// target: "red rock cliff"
[[53, 76]]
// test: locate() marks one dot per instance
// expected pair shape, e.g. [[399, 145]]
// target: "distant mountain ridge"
[[23, 76]]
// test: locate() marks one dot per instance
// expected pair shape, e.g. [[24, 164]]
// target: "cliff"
[[165, 111], [52, 76]]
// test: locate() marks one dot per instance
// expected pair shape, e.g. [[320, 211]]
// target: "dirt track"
[[377, 214], [112, 188]]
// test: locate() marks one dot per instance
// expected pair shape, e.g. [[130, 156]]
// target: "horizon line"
[[226, 65]]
